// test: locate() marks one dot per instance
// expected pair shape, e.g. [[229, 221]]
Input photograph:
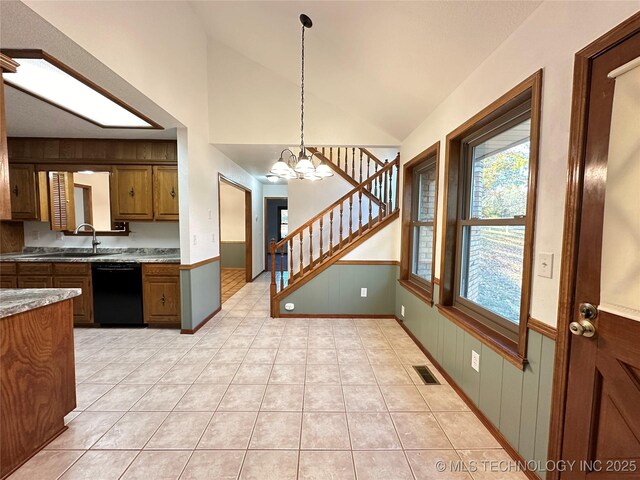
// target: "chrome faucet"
[[95, 241]]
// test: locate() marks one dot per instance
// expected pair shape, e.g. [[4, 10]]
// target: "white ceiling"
[[389, 62], [21, 27]]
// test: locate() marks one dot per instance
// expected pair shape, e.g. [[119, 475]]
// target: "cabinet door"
[[35, 281], [8, 281], [132, 193], [24, 205], [82, 305], [161, 299], [165, 193]]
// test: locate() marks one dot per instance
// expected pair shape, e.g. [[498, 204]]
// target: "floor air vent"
[[427, 377]]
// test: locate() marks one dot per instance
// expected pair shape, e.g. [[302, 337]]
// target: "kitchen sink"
[[72, 255]]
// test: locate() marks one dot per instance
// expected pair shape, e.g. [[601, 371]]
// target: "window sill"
[[424, 295], [506, 348]]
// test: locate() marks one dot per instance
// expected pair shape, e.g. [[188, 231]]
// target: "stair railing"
[[355, 163], [327, 233]]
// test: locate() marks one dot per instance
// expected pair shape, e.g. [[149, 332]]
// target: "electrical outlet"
[[210, 214], [289, 306], [195, 239], [35, 235], [475, 361], [59, 236], [545, 265], [363, 292], [402, 310], [213, 237]]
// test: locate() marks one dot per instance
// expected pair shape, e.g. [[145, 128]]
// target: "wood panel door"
[[602, 418], [83, 304], [132, 193], [162, 299], [62, 201], [24, 203], [165, 193]]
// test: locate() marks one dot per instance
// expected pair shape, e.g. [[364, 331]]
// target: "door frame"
[[265, 227], [248, 223], [571, 232]]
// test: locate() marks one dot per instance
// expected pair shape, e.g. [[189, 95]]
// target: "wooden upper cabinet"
[[132, 193], [165, 193], [62, 201], [24, 192]]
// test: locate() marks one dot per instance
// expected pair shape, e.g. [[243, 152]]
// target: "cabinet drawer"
[[8, 281], [35, 281], [8, 268], [163, 269], [35, 269], [72, 268]]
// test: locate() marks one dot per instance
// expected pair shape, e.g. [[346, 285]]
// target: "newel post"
[[272, 288]]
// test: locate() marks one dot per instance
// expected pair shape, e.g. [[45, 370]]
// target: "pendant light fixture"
[[289, 166]]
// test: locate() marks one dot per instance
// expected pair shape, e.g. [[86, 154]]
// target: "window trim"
[[512, 349], [417, 285]]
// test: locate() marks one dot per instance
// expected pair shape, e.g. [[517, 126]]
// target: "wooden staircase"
[[342, 226]]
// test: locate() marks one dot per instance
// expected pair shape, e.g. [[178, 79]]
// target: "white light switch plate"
[[475, 360], [402, 310], [289, 306], [545, 265], [363, 292]]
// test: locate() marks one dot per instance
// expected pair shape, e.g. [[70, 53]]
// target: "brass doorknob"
[[583, 328]]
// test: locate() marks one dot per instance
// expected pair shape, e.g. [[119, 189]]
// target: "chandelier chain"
[[302, 98]]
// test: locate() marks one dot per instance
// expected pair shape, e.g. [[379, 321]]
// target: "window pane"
[[422, 252], [284, 230], [492, 268], [500, 171], [426, 194], [284, 215]]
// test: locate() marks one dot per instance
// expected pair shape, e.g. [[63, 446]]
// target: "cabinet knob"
[[132, 192], [16, 190], [173, 192], [162, 299]]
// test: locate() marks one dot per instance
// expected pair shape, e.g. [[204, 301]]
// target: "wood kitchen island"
[[37, 371]]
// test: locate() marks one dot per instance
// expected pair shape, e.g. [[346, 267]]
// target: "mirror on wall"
[[82, 197]]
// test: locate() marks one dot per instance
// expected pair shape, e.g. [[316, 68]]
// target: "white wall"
[[548, 39], [232, 214], [273, 190], [100, 202], [143, 235]]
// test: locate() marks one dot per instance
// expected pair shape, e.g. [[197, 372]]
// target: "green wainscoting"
[[336, 291], [200, 293], [517, 402], [233, 254]]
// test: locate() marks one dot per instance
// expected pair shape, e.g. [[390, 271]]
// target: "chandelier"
[[289, 166]]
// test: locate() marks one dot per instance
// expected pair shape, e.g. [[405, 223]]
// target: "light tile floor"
[[252, 397]]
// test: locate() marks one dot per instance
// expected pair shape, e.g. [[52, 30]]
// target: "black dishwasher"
[[117, 294]]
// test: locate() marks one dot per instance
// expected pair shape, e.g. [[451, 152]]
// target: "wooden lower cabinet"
[[161, 294], [76, 275], [54, 275]]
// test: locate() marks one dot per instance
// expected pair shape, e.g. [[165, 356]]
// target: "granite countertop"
[[19, 300], [120, 255]]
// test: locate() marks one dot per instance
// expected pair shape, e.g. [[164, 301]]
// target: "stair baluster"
[[290, 261], [350, 216], [353, 162], [331, 232], [341, 208], [360, 211], [311, 246], [300, 252], [282, 270], [370, 206], [320, 257]]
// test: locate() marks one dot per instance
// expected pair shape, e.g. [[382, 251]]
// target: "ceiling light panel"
[[42, 79]]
